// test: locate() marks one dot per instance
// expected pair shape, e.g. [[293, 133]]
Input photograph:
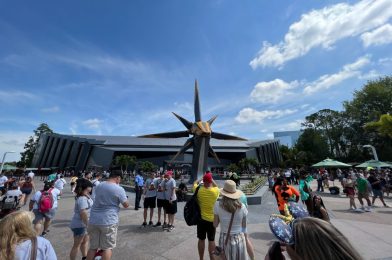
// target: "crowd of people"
[[95, 220]]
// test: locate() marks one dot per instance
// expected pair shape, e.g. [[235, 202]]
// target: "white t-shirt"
[[95, 184], [59, 184], [13, 193], [225, 216], [45, 250], [3, 179], [31, 175], [55, 193], [287, 174]]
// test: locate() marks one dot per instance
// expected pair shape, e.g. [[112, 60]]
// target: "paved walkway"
[[370, 233]]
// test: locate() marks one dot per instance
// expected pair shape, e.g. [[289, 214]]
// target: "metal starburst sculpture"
[[200, 141]]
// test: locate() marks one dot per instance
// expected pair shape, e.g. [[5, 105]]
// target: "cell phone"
[[275, 252]]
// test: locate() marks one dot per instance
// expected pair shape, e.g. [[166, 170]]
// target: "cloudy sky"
[[122, 67]]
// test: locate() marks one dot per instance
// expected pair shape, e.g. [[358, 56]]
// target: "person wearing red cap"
[[170, 200], [207, 195]]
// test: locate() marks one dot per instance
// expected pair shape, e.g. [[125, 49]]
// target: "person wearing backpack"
[[207, 196], [44, 206]]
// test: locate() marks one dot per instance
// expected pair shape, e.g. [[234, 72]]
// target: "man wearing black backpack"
[[207, 195]]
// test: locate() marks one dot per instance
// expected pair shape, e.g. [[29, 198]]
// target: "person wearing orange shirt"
[[284, 193]]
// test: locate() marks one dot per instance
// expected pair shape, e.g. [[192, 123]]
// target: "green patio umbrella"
[[329, 163], [8, 167], [374, 164]]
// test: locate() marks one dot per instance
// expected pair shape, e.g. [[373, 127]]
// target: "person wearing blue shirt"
[[139, 182]]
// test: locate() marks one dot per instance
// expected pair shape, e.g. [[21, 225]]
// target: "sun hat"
[[229, 190], [207, 178]]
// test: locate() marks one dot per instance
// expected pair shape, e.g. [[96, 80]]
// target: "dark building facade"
[[81, 152]]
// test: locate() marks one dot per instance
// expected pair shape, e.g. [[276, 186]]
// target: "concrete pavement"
[[370, 233]]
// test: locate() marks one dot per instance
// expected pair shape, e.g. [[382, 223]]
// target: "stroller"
[[8, 204]]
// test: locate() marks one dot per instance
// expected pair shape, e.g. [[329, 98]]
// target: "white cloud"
[[250, 115], [372, 74], [93, 123], [322, 28], [327, 81], [272, 91], [13, 141], [53, 109], [381, 35], [15, 95], [295, 125]]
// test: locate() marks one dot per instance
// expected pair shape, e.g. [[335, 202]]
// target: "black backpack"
[[192, 210]]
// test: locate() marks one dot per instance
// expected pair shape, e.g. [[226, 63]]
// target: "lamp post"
[[2, 163], [373, 150]]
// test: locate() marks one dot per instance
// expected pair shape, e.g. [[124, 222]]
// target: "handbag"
[[219, 252], [33, 253]]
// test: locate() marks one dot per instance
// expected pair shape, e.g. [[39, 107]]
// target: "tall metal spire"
[[197, 103]]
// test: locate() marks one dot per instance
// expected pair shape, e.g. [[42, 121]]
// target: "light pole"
[[2, 163], [373, 150]]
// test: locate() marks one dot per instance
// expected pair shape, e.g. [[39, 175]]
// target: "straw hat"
[[229, 190]]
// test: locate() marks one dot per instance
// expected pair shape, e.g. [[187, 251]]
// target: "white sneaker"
[[358, 210], [368, 209]]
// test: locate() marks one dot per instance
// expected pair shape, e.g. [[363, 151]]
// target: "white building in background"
[[288, 138]]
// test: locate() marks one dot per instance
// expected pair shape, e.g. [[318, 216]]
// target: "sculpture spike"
[[188, 144], [212, 120], [197, 103], [226, 137], [185, 122], [212, 152]]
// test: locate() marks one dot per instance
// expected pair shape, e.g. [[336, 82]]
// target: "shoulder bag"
[[219, 252], [34, 247]]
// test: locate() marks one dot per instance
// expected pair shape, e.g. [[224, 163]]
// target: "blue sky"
[[122, 67]]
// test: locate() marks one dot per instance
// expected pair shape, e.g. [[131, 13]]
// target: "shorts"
[[205, 229], [170, 208], [160, 203], [102, 237], [26, 191], [77, 232], [363, 195], [40, 216], [150, 202], [377, 193]]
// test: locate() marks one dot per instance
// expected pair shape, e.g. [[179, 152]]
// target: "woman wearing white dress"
[[231, 208]]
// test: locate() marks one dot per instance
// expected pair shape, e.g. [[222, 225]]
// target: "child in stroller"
[[9, 202]]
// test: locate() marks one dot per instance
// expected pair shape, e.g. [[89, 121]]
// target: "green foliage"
[[382, 126], [146, 166], [31, 144], [233, 167], [361, 122], [124, 161], [314, 144], [246, 164], [252, 187], [292, 157]]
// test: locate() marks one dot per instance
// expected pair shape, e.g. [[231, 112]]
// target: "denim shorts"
[[77, 232]]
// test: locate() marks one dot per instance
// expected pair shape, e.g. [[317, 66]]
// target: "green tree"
[[124, 161], [31, 145], [314, 145], [146, 166], [368, 104], [331, 123], [233, 168], [292, 157], [246, 164], [382, 126]]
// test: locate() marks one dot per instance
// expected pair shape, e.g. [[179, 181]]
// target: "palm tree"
[[125, 160]]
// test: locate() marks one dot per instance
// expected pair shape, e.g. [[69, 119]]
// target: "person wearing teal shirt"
[[305, 190]]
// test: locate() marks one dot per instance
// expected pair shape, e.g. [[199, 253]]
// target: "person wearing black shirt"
[[377, 188]]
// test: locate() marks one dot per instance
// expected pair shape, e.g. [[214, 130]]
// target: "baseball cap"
[[207, 178]]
